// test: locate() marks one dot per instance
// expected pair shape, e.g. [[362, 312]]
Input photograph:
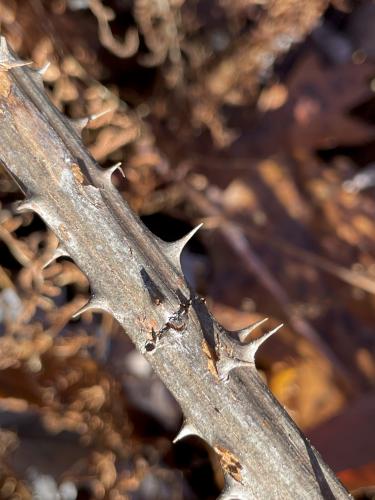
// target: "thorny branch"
[[137, 278]]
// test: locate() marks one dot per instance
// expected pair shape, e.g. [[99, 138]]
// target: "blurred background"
[[256, 117]]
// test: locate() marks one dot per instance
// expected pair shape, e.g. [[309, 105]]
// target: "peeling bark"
[[137, 278]]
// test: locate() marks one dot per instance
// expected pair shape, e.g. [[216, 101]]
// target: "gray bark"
[[138, 279]]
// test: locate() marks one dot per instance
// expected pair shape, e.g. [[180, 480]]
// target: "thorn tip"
[[58, 252], [108, 172], [79, 124], [233, 354], [43, 70], [27, 205], [185, 431], [95, 116], [92, 305], [244, 333], [175, 249]]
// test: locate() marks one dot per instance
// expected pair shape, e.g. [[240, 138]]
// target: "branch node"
[[95, 116]]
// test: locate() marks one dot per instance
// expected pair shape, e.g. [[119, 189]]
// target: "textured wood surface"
[[138, 279]]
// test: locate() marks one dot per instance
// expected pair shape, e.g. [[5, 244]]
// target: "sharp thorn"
[[174, 249], [185, 431], [7, 65], [188, 237], [92, 306], [117, 166], [87, 307], [27, 205], [254, 345], [43, 70], [108, 172], [244, 333], [79, 124], [95, 116], [246, 353], [58, 252], [7, 59], [233, 355]]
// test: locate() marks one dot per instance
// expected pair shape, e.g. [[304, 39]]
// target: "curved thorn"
[[7, 59], [26, 206], [233, 355], [58, 252], [185, 431], [117, 166], [174, 249], [7, 65], [244, 333], [85, 308], [79, 124], [43, 70], [256, 343], [251, 348], [92, 305], [108, 172], [95, 116]]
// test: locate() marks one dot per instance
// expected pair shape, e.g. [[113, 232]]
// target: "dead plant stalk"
[[138, 279]]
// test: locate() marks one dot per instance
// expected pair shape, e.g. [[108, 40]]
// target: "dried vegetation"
[[256, 118]]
